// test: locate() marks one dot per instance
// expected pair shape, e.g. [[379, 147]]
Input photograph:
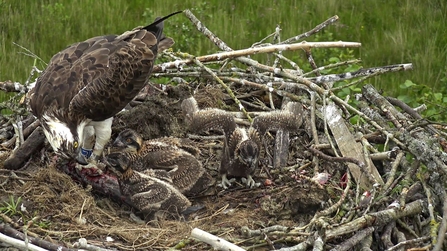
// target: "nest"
[[376, 184]]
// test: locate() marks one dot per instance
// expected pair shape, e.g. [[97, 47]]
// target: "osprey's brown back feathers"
[[96, 78]]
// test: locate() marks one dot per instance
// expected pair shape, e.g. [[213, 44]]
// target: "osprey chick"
[[87, 83], [150, 191], [173, 155], [242, 147]]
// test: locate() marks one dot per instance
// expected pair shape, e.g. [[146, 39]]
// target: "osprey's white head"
[[64, 141]]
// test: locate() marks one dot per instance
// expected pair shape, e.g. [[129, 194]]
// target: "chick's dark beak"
[[118, 143]]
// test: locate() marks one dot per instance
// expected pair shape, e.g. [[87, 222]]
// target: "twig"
[[277, 37], [247, 232], [330, 209], [409, 176], [228, 89], [252, 51], [216, 242], [443, 227], [313, 128], [9, 86], [393, 171], [361, 73], [398, 235], [292, 64], [330, 66], [200, 137], [409, 242], [377, 219], [20, 244], [318, 244], [29, 53], [267, 88], [354, 240], [336, 159], [311, 60], [313, 31], [386, 234], [387, 155], [358, 81], [409, 110], [407, 228], [303, 246]]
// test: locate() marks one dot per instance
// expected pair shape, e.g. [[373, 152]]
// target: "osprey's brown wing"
[[57, 85], [113, 80], [98, 77]]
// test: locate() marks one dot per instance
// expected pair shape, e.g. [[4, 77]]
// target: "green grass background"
[[395, 31]]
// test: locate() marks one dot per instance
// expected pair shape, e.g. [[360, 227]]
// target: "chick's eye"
[[75, 145], [128, 140]]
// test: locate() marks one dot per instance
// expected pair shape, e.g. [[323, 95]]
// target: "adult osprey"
[[87, 83]]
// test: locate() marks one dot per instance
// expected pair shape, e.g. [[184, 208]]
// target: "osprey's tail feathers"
[[157, 26]]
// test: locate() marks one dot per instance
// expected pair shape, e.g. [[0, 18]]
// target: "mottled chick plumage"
[[242, 147], [150, 191], [173, 155]]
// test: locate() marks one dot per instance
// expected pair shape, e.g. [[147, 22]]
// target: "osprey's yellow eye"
[[75, 145], [128, 140]]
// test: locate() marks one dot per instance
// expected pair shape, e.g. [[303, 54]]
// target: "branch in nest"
[[354, 240], [251, 51], [313, 31], [376, 219], [361, 73], [9, 86], [216, 242], [33, 243], [24, 152]]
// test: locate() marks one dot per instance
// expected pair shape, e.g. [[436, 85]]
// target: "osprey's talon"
[[90, 169], [94, 160], [93, 167], [226, 183], [249, 182]]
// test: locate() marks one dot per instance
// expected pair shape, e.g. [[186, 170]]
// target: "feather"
[[242, 147], [92, 81], [149, 191], [172, 155]]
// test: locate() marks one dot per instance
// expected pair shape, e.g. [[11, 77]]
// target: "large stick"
[[257, 50], [216, 242]]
